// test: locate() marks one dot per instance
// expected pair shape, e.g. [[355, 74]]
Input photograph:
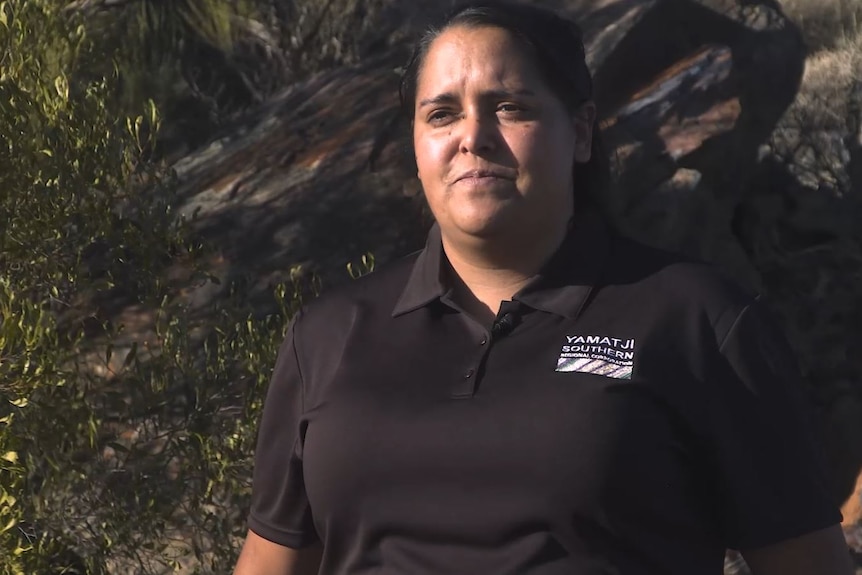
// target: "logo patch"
[[607, 356]]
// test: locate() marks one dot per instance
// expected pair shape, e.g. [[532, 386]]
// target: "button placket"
[[468, 380]]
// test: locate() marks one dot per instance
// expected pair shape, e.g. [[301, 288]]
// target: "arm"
[[773, 492], [281, 539], [260, 556], [822, 552]]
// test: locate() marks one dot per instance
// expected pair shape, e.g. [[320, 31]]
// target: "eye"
[[512, 110], [440, 116]]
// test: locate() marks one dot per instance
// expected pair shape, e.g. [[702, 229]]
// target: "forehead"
[[486, 54]]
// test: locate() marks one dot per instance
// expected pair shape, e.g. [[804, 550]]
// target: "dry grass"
[[825, 24], [816, 131], [825, 95]]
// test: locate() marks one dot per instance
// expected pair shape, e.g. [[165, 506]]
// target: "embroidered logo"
[[608, 356]]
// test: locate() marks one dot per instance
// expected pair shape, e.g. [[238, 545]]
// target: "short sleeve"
[[280, 511], [767, 470]]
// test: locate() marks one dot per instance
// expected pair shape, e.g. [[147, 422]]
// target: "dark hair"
[[557, 47]]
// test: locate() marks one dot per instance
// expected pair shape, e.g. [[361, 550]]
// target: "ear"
[[583, 120]]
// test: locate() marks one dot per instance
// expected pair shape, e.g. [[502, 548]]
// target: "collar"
[[425, 283], [562, 286]]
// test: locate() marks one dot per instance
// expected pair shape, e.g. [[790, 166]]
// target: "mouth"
[[477, 175]]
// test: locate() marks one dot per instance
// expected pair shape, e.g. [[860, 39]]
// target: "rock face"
[[317, 179], [727, 141]]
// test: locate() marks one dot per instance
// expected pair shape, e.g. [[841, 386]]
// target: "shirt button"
[[469, 374]]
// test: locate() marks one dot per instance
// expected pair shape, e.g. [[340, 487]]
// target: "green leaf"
[[9, 525], [130, 357], [61, 84]]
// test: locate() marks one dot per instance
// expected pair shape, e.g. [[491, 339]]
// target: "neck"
[[485, 273]]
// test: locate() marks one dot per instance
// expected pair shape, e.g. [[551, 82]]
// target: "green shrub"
[[123, 448]]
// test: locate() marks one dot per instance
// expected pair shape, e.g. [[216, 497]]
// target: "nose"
[[478, 134]]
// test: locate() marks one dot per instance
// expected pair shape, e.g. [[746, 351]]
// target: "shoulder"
[[324, 327], [676, 285], [374, 293]]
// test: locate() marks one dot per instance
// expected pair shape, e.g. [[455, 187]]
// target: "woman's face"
[[494, 145]]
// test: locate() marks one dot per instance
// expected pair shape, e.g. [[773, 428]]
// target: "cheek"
[[528, 146], [432, 164], [432, 154], [549, 154], [537, 153]]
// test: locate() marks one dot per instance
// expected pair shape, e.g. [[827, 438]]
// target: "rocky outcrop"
[[315, 179], [710, 112]]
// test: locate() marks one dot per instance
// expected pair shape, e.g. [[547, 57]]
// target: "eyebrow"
[[449, 97]]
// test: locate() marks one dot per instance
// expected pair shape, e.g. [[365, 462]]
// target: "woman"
[[530, 393]]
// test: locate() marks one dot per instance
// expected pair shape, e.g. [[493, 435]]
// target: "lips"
[[479, 174]]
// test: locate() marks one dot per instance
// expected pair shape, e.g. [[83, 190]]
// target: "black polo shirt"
[[631, 413]]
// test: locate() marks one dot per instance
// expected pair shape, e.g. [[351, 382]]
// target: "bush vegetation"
[[202, 61], [810, 248], [825, 24], [117, 453]]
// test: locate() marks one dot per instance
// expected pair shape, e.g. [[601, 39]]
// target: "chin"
[[484, 221], [486, 228]]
